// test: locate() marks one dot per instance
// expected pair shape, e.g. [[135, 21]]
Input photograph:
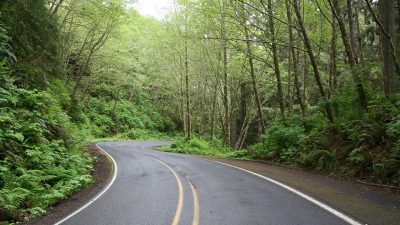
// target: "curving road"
[[157, 188]]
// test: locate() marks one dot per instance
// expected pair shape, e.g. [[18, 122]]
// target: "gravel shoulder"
[[103, 169], [376, 205]]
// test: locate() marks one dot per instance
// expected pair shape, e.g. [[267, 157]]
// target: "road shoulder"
[[363, 202], [102, 172]]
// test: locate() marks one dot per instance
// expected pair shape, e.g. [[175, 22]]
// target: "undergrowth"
[[198, 146], [40, 163], [366, 148]]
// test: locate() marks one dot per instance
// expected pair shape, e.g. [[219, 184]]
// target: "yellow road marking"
[[196, 207], [178, 211]]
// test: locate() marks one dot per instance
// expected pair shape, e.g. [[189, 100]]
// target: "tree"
[[312, 60], [391, 65]]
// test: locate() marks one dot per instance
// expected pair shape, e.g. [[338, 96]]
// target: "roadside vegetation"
[[198, 146], [52, 105], [313, 84]]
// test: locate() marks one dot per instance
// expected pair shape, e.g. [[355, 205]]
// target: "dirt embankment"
[[102, 172]]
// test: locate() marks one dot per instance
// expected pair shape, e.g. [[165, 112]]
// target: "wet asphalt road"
[[157, 188]]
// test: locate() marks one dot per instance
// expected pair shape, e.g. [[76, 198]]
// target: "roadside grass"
[[198, 146], [137, 135]]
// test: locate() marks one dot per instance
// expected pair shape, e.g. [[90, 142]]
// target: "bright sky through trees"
[[154, 8]]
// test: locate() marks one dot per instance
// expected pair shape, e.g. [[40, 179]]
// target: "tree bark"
[[213, 110], [271, 27], [333, 59], [390, 62], [336, 9], [182, 98], [313, 61], [386, 34], [188, 120], [295, 60], [225, 94], [352, 32], [253, 80], [387, 19]]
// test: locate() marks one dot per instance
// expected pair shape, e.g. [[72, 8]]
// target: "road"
[[157, 188]]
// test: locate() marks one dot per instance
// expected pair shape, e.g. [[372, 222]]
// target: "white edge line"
[[308, 198], [98, 195]]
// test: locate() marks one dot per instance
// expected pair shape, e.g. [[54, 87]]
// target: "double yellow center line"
[[196, 206], [178, 212]]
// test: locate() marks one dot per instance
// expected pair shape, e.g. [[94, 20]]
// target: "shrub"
[[37, 169], [280, 142], [199, 146]]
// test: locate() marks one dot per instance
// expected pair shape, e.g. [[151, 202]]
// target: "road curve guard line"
[[98, 195], [178, 211], [308, 198], [196, 206]]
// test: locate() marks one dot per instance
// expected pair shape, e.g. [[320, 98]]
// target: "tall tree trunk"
[[243, 102], [387, 19], [55, 6], [182, 100], [333, 59], [359, 38], [225, 94], [80, 74], [387, 35], [289, 81], [336, 9], [295, 60], [304, 77], [271, 27], [213, 112], [188, 119], [352, 32], [254, 81], [313, 61]]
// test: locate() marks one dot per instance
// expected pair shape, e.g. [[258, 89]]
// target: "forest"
[[311, 84]]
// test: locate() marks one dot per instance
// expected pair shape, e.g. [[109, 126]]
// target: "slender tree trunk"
[[359, 38], [313, 61], [304, 77], [350, 56], [80, 74], [242, 133], [352, 32], [93, 48], [182, 99], [271, 27], [213, 112], [333, 59], [243, 101], [289, 81], [225, 94], [295, 60], [254, 81], [57, 6], [115, 103], [188, 119], [89, 34]]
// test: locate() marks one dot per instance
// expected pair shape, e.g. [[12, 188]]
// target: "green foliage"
[[121, 117], [36, 168], [280, 142], [44, 126], [35, 35], [144, 134], [198, 146]]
